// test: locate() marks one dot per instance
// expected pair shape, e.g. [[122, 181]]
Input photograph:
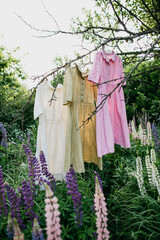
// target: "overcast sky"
[[37, 53]]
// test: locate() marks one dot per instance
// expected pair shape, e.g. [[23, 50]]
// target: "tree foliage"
[[13, 95]]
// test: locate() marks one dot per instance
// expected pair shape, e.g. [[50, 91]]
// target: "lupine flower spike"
[[151, 178], [149, 133], [139, 176], [156, 138], [52, 216], [28, 199], [34, 167], [72, 186], [18, 235], [14, 203], [4, 136], [37, 233], [133, 129], [10, 230], [3, 205], [101, 212], [51, 180]]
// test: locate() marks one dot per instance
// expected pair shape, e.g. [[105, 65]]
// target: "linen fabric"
[[111, 119], [80, 95], [51, 136]]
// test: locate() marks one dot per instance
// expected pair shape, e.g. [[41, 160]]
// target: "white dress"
[[51, 136]]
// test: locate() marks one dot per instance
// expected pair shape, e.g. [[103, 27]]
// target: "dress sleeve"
[[67, 87], [38, 108], [94, 75], [121, 70]]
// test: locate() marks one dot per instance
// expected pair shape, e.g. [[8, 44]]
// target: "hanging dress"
[[51, 134], [111, 120], [80, 96]]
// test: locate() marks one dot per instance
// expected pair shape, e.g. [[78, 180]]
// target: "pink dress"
[[111, 121]]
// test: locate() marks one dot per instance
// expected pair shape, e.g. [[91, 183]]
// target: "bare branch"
[[50, 15]]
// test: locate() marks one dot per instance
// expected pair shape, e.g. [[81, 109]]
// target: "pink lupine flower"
[[53, 228], [18, 235], [101, 212]]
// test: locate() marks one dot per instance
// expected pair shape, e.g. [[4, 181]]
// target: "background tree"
[[13, 95]]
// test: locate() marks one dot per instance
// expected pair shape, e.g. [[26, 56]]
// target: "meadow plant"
[[101, 212], [14, 202], [46, 174], [156, 138], [53, 228], [37, 233], [156, 177], [3, 205], [149, 168], [18, 235], [139, 175], [10, 230], [149, 134], [72, 186], [33, 165], [28, 198], [153, 156], [133, 129], [4, 136]]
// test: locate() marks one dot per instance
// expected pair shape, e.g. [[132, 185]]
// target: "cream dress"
[[51, 136]]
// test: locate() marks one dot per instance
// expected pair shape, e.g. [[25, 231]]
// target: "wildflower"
[[37, 233], [72, 186], [33, 165], [3, 205], [14, 203], [139, 176], [99, 179], [51, 180], [153, 155], [156, 177], [52, 216], [28, 137], [4, 136], [133, 129], [101, 212], [20, 138], [142, 135], [28, 199], [18, 235], [156, 138], [149, 133], [10, 230], [151, 177]]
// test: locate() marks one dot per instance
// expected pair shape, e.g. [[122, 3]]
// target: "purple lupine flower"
[[3, 205], [28, 200], [20, 138], [4, 136], [156, 138], [72, 185], [99, 179], [33, 165], [14, 203], [37, 233], [51, 180], [28, 137], [101, 212]]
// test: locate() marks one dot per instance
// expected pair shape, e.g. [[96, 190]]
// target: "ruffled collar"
[[108, 56]]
